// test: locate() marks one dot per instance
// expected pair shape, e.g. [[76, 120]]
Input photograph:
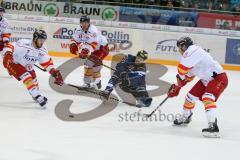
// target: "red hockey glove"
[[181, 82], [57, 75], [84, 53], [7, 59], [174, 90], [73, 48]]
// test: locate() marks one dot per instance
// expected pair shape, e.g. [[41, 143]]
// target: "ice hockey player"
[[130, 75], [89, 44], [20, 57], [5, 30], [195, 61]]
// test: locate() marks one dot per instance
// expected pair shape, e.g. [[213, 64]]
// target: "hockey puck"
[[71, 116]]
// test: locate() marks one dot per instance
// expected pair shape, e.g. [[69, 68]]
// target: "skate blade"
[[211, 135], [43, 107], [180, 125]]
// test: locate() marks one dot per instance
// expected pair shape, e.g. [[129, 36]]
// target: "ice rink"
[[30, 133]]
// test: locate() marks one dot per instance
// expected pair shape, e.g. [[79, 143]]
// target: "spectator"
[[170, 4]]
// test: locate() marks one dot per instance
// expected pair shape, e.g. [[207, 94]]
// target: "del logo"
[[63, 33], [167, 47]]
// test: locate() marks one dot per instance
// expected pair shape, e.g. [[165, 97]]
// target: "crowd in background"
[[221, 5]]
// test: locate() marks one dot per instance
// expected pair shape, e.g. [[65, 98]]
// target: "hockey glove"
[[181, 82], [73, 48], [174, 90], [57, 75], [7, 59], [84, 53]]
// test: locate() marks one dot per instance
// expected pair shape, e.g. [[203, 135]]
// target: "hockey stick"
[[104, 65], [42, 69], [92, 91], [149, 115]]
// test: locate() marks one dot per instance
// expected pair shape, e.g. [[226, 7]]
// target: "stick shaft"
[[42, 69], [165, 99]]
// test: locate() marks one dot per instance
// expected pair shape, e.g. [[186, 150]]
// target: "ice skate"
[[41, 100], [97, 86], [212, 131], [183, 121]]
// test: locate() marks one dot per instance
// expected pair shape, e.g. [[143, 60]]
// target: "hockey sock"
[[30, 85], [88, 72], [210, 107]]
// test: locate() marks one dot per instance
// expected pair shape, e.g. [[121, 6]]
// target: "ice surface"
[[29, 133]]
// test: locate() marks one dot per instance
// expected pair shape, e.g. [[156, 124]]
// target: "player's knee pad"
[[208, 100], [190, 101]]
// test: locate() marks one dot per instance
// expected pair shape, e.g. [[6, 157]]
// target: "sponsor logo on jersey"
[[30, 58], [28, 67]]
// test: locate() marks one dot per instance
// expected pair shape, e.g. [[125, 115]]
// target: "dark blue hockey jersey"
[[127, 69]]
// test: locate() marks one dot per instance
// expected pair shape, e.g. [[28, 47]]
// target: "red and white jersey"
[[27, 55], [5, 30], [197, 62], [92, 39]]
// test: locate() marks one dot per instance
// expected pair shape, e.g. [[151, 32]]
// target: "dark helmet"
[[184, 41], [143, 54], [84, 19], [39, 34], [2, 9]]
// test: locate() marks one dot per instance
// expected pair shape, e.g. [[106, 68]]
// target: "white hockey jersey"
[[92, 39], [25, 54], [5, 30], [197, 62]]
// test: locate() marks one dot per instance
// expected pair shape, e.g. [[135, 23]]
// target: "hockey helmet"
[[39, 34], [184, 41], [142, 54], [84, 19]]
